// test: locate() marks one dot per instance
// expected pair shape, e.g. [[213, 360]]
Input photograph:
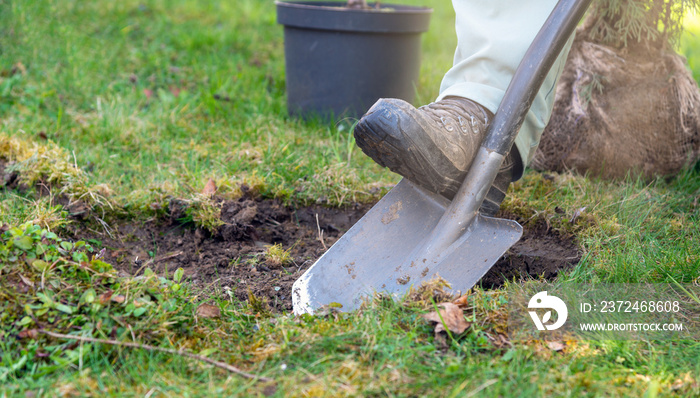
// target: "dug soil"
[[233, 260]]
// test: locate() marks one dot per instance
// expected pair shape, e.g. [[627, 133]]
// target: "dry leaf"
[[556, 345], [104, 297], [118, 298], [19, 67], [209, 188], [686, 381], [28, 334], [461, 302], [208, 311], [26, 281], [452, 316], [500, 340], [677, 385]]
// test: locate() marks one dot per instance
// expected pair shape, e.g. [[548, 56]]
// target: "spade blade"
[[372, 256]]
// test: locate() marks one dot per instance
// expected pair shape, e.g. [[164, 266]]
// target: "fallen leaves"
[[556, 345], [546, 349], [109, 296], [208, 311], [450, 317], [461, 302], [209, 188], [19, 68], [29, 334], [687, 382], [26, 281], [449, 320]]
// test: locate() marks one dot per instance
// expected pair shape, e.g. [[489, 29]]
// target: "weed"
[[277, 256], [54, 284], [258, 305], [204, 212], [253, 260]]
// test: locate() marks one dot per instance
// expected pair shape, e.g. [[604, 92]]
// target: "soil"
[[617, 112], [234, 256], [540, 253]]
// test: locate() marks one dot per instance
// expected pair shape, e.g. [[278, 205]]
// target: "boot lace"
[[460, 113]]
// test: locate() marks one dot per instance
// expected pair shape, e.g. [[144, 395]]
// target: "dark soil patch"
[[233, 257], [541, 252]]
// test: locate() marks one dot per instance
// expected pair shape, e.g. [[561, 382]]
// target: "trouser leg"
[[492, 38]]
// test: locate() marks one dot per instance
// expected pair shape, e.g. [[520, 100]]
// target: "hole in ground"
[[234, 258]]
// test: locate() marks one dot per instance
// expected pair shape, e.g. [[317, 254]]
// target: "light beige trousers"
[[492, 37]]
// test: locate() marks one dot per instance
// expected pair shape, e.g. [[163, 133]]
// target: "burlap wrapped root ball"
[[618, 111]]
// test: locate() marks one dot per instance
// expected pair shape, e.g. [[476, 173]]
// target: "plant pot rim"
[[334, 16], [339, 6]]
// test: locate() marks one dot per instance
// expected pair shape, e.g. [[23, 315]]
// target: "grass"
[[690, 43], [142, 111], [119, 105], [632, 231]]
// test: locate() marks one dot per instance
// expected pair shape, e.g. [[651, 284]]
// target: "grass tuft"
[[276, 256]]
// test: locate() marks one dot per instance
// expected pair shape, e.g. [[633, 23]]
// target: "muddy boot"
[[434, 145]]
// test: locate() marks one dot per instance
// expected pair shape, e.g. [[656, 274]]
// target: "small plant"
[[253, 260], [48, 284], [205, 213], [277, 256], [258, 305]]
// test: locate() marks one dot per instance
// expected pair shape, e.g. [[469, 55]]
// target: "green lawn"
[[115, 103], [130, 88]]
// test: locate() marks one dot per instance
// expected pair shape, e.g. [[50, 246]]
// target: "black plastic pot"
[[339, 61]]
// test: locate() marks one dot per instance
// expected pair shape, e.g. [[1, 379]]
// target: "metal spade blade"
[[372, 255]]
